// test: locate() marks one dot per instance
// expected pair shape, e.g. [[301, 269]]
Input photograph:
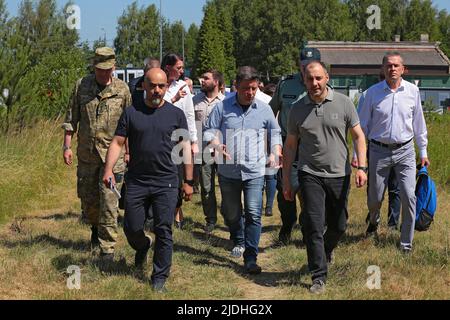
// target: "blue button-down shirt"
[[393, 117], [245, 135]]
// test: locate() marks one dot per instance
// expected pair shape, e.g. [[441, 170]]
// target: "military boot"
[[95, 242]]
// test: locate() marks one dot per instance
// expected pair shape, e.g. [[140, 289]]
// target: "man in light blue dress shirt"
[[237, 128], [392, 117]]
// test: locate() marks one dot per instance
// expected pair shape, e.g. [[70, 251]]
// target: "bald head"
[[155, 86]]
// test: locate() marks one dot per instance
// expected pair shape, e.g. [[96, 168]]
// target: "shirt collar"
[[400, 88], [236, 103], [329, 97]]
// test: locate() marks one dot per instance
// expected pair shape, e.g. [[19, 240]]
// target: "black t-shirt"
[[149, 133]]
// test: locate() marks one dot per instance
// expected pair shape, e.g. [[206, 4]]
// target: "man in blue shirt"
[[236, 129]]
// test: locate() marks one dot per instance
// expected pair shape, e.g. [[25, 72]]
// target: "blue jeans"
[[271, 188], [245, 230]]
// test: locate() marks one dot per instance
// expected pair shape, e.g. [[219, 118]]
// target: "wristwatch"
[[65, 148], [365, 169], [190, 182]]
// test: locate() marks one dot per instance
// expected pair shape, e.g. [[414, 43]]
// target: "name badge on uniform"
[[289, 96]]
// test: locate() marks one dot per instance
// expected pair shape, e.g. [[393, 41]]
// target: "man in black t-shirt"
[[153, 131]]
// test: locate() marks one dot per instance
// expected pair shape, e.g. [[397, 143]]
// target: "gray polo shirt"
[[322, 129]]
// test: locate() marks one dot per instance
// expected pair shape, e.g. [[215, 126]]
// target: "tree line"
[[40, 58]]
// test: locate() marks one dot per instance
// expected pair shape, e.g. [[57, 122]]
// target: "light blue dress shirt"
[[244, 134], [393, 117]]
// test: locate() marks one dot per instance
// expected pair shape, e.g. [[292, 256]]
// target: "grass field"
[[41, 236]]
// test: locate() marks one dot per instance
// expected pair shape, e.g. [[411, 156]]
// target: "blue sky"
[[99, 17], [98, 14]]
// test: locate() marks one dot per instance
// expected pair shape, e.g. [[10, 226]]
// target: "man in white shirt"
[[391, 117]]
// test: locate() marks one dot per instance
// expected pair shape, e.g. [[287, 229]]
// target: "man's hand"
[[194, 148], [222, 150], [68, 157], [360, 178], [126, 158], [354, 162], [425, 162], [188, 191], [108, 177], [287, 191], [275, 161]]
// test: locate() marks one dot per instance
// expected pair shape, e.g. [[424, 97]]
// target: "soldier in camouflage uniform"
[[289, 91], [94, 110]]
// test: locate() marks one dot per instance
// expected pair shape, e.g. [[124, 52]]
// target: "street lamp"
[[104, 36]]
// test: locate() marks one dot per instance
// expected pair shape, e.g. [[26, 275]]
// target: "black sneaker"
[[106, 257], [159, 287], [330, 258], [371, 230], [317, 287], [252, 268], [284, 237], [268, 212], [140, 258], [179, 225], [209, 228]]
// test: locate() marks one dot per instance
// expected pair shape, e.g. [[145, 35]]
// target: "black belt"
[[390, 146]]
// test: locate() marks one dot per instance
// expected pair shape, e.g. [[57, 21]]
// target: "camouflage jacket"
[[93, 114]]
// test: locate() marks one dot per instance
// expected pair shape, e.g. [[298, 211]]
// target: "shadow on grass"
[[56, 216], [79, 245], [213, 240], [118, 267], [267, 279]]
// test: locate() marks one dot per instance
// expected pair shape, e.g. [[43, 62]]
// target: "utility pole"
[[160, 32], [104, 37]]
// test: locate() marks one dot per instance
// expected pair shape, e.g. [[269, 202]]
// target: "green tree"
[[173, 37], [210, 50], [191, 45], [392, 18], [444, 29], [137, 35], [44, 28], [226, 22], [31, 45], [51, 82], [421, 18]]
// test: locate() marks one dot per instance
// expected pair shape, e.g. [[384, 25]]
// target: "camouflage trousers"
[[99, 204]]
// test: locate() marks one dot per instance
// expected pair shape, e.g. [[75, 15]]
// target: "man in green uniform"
[[289, 91], [95, 107]]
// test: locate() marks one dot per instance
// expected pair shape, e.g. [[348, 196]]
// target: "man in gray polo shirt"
[[318, 125]]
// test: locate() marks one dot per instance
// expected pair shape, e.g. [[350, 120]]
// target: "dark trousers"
[[208, 192], [324, 201], [140, 196], [288, 209]]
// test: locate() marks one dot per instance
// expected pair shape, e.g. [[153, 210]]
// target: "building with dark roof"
[[355, 66]]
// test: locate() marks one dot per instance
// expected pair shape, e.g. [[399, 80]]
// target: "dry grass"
[[36, 249]]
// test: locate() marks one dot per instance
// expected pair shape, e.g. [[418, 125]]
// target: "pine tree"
[[137, 35], [210, 52], [191, 46]]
